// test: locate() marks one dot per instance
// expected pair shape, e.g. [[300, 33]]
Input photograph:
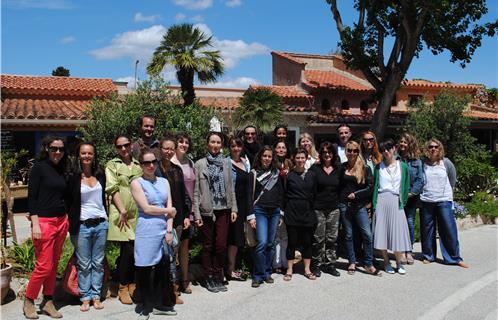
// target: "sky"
[[104, 38]]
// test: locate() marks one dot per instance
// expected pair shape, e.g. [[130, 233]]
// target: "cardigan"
[[405, 185]]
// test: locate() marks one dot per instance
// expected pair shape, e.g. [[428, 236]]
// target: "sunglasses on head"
[[148, 162], [353, 150], [432, 147], [121, 146], [55, 149]]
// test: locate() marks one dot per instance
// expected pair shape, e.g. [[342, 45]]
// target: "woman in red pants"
[[47, 211]]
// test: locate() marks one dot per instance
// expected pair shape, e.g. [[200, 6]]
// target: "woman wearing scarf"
[[268, 195], [214, 208]]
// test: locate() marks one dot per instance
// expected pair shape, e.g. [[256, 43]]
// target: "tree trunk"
[[186, 78], [381, 116]]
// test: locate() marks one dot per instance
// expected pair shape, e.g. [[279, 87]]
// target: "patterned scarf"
[[217, 185]]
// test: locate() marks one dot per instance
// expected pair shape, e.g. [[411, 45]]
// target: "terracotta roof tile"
[[356, 118], [333, 80], [41, 85], [221, 103], [288, 57], [430, 84], [483, 115], [286, 91], [43, 109]]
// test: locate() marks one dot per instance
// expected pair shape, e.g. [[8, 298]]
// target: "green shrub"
[[22, 257], [67, 252], [483, 204], [475, 174], [112, 253]]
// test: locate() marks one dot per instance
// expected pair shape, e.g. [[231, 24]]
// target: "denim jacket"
[[416, 170]]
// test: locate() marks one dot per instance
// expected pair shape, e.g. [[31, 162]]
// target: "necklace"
[[393, 172]]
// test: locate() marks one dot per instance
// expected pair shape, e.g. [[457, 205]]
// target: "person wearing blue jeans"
[[268, 195], [88, 223], [437, 207]]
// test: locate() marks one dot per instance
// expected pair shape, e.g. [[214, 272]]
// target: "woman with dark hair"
[[123, 213], [154, 233], [242, 179], [174, 174], [268, 201], [284, 165], [390, 194], [356, 191], [370, 149], [437, 207], [182, 160], [408, 151], [300, 219], [215, 206], [88, 223], [326, 205], [47, 205]]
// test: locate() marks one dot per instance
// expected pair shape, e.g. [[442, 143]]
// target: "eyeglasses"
[[121, 146], [148, 162], [369, 139], [432, 147], [353, 150], [327, 152], [55, 149], [250, 133]]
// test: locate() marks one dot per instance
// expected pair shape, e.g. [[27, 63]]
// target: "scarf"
[[268, 179], [217, 185]]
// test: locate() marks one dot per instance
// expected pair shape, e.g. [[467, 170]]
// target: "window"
[[394, 103], [363, 106], [344, 104], [414, 99], [325, 105]]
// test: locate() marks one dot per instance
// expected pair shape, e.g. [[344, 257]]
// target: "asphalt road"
[[433, 291]]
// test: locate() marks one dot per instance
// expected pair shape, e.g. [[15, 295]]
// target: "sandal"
[[236, 276], [288, 277], [373, 271], [351, 270], [85, 306], [97, 304], [186, 287], [310, 276]]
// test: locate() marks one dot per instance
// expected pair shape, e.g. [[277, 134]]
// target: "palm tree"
[[185, 47], [260, 107]]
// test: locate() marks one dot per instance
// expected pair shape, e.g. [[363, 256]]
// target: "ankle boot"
[[49, 308], [131, 289], [29, 309], [176, 289], [124, 295]]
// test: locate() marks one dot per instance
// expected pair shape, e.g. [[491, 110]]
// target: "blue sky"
[[103, 39]]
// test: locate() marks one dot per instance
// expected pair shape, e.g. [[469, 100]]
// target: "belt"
[[92, 222]]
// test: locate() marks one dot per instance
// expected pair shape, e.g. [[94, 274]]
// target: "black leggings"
[[126, 263], [299, 237], [155, 287]]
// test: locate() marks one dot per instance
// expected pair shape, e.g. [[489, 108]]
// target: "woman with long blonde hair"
[[357, 186], [306, 142]]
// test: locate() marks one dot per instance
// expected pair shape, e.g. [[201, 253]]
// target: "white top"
[[341, 152], [91, 202], [390, 178], [437, 186], [309, 162]]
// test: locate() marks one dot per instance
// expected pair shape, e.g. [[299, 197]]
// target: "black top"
[[363, 191], [327, 188], [243, 192], [273, 198], [179, 196], [251, 150], [47, 190], [74, 201], [301, 188]]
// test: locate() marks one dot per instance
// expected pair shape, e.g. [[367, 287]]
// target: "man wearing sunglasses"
[[251, 144], [147, 138]]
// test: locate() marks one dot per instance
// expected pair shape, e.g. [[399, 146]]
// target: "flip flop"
[[97, 304], [85, 306], [287, 277], [310, 276], [351, 270]]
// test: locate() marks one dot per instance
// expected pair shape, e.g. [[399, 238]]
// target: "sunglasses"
[[121, 146], [250, 133], [369, 139], [353, 150], [148, 162], [432, 147], [55, 149]]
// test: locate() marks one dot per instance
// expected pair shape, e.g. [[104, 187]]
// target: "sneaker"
[[221, 287], [401, 269], [269, 280], [332, 271], [389, 269], [255, 283], [211, 285], [317, 272], [143, 316], [164, 311]]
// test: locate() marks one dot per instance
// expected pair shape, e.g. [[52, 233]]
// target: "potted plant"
[[7, 162]]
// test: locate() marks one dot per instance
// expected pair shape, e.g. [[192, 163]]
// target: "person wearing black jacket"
[[251, 144], [357, 188], [180, 199], [88, 223]]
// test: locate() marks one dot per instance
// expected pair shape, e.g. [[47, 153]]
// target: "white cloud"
[[197, 18], [233, 3], [140, 17], [194, 4], [67, 40], [138, 44], [180, 17], [241, 82], [38, 4], [129, 79]]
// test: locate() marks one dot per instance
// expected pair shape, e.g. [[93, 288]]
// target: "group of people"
[[151, 196]]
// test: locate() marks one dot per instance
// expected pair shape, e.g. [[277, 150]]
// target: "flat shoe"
[[310, 276], [463, 265], [287, 277], [373, 271], [389, 269], [85, 306], [410, 260], [425, 261]]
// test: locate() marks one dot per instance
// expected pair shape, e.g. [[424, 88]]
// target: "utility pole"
[[136, 65]]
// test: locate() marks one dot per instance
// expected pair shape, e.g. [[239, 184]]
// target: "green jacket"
[[405, 185]]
